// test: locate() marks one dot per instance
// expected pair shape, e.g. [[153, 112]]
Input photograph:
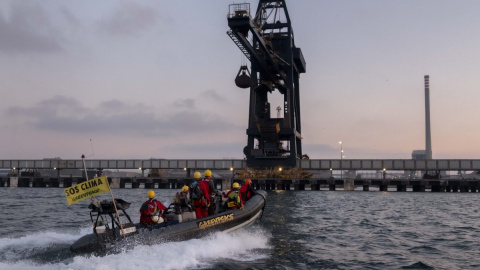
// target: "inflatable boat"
[[114, 231]]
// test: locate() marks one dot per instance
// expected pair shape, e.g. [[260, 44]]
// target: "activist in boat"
[[114, 230]]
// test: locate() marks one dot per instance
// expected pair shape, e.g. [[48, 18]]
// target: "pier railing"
[[221, 164]]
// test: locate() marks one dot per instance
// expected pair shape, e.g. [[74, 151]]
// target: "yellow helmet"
[[235, 185], [197, 175], [208, 173], [185, 188], [151, 194]]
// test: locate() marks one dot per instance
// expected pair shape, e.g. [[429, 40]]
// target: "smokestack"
[[428, 138]]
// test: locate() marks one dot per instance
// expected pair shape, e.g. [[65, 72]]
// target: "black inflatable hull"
[[225, 221]]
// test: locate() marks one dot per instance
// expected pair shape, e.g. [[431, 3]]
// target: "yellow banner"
[[87, 189]]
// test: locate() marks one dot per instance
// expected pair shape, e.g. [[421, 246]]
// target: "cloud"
[[212, 94], [67, 115], [28, 30], [319, 150], [129, 19], [70, 17], [185, 103], [227, 150]]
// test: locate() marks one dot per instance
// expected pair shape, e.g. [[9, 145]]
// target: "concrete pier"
[[332, 184]]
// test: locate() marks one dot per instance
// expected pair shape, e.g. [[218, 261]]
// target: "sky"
[[155, 79]]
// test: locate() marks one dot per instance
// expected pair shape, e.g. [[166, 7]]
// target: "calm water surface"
[[299, 230]]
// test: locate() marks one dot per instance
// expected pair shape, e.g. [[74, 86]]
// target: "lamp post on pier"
[[341, 159]]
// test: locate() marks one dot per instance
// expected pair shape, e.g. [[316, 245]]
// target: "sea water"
[[299, 230]]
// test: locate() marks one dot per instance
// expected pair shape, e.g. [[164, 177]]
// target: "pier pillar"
[[149, 185], [366, 187], [299, 186], [473, 189], [314, 185], [23, 182], [269, 185], [455, 189], [115, 183], [171, 183], [464, 189], [227, 184], [401, 188], [331, 184], [279, 185], [38, 182], [67, 182], [256, 185], [418, 188], [262, 185], [163, 185], [438, 188], [348, 185], [216, 182], [54, 182], [13, 181], [383, 187], [135, 184]]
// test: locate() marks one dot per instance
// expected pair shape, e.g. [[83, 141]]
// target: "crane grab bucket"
[[243, 80]]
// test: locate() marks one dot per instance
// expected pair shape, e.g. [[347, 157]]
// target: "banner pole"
[[115, 205], [85, 167]]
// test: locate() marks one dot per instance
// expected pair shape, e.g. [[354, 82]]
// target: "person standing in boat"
[[247, 191], [233, 198], [199, 193], [182, 201], [151, 211], [213, 191]]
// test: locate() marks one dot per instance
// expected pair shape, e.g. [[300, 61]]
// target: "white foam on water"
[[42, 239], [244, 245]]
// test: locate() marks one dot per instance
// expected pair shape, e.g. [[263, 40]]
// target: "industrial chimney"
[[428, 138]]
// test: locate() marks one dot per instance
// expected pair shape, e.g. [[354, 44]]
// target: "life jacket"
[[148, 210], [196, 191], [182, 199], [211, 185], [233, 199]]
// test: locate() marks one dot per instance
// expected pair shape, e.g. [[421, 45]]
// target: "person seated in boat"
[[151, 211], [182, 201], [233, 198], [247, 191], [199, 194]]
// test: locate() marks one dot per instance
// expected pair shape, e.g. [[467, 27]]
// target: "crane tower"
[[266, 39]]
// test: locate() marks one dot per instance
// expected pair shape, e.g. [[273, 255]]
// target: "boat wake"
[[50, 250]]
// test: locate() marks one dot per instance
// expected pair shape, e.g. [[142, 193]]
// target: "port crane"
[[267, 41]]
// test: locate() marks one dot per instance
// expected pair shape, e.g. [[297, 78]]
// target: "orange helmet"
[[248, 182]]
